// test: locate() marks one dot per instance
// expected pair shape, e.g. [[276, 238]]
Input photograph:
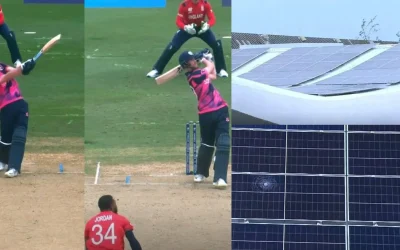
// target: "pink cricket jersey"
[[9, 91], [208, 97]]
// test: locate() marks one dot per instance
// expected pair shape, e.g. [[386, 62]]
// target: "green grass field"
[[129, 119], [55, 89]]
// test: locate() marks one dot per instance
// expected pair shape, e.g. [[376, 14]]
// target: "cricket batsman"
[[108, 229], [9, 36], [213, 118], [195, 19], [14, 118]]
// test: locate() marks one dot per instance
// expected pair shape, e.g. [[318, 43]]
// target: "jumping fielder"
[[195, 18], [14, 118], [9, 36], [213, 119]]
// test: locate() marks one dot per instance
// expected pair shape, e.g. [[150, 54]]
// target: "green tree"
[[368, 29]]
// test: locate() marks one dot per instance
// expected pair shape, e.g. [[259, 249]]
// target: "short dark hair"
[[105, 202]]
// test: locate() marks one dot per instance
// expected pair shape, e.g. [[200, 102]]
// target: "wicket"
[[194, 136]]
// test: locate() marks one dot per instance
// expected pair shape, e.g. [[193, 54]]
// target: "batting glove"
[[28, 66], [204, 27], [190, 28], [208, 56]]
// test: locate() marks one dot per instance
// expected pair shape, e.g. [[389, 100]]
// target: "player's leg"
[[12, 44], [17, 149], [206, 149], [216, 45], [223, 145], [178, 40], [7, 129]]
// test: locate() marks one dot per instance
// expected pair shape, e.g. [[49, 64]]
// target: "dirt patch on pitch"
[[41, 212], [41, 209], [49, 162], [169, 212]]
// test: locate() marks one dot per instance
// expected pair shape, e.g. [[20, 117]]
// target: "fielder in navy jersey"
[[194, 19], [9, 36], [213, 118]]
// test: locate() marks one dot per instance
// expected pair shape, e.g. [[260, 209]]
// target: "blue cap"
[[185, 57]]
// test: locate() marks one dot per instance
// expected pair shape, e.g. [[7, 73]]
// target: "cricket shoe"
[[199, 178], [3, 166], [220, 184], [153, 74], [223, 73], [17, 63], [11, 173]]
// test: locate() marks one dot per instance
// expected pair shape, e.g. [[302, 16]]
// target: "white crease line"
[[142, 176], [146, 184]]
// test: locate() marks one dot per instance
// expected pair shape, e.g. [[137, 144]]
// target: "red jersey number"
[[104, 234]]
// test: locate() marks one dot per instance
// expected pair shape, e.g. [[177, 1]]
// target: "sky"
[[318, 18]]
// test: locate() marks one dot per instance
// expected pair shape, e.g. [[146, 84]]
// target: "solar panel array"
[[316, 187], [298, 65], [376, 73], [242, 56]]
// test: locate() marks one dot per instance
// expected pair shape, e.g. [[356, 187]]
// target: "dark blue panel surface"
[[315, 153], [374, 154], [317, 127], [261, 126], [298, 237], [247, 138], [374, 128], [258, 196], [374, 238], [271, 160], [315, 198], [374, 199], [257, 237], [258, 151]]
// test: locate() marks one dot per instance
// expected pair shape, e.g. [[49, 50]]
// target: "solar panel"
[[384, 58], [361, 77], [300, 237], [297, 237], [374, 199], [374, 154], [300, 187], [258, 196], [257, 237], [374, 238], [313, 61], [315, 198], [321, 155], [336, 89], [240, 57], [381, 69]]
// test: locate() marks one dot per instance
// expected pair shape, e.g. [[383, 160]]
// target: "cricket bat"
[[47, 46], [167, 76]]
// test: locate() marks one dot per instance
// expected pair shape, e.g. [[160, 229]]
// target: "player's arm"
[[133, 242], [210, 68], [180, 21], [12, 73], [210, 14], [86, 236]]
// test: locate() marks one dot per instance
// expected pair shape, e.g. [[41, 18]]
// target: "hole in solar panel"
[[265, 183]]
